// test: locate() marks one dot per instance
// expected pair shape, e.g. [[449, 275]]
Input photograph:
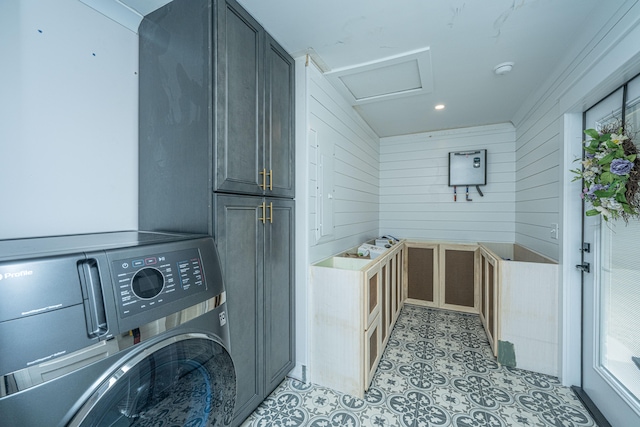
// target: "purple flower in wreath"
[[589, 192], [621, 166]]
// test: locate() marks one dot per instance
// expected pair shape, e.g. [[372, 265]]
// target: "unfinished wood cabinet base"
[[354, 304], [520, 306]]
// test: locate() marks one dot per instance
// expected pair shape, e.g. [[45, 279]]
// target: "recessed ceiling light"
[[503, 68], [440, 107]]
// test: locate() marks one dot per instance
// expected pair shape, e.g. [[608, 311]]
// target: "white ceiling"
[[466, 40], [463, 39]]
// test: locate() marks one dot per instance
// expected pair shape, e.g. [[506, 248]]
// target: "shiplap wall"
[[602, 58], [576, 84], [416, 201], [351, 176], [538, 157]]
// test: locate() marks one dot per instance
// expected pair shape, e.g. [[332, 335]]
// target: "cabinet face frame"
[[435, 279], [384, 300], [393, 268], [372, 301], [372, 356], [443, 248], [399, 281], [489, 314], [387, 319]]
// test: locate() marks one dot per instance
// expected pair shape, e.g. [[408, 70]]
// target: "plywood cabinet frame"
[[346, 318]]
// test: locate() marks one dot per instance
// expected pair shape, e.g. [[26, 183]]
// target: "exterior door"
[[611, 293]]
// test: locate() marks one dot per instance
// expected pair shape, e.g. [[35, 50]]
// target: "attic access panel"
[[393, 77], [468, 168]]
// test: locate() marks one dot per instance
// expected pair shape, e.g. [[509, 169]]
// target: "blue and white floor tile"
[[437, 370]]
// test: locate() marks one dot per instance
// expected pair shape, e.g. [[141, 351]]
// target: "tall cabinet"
[[216, 157], [254, 130]]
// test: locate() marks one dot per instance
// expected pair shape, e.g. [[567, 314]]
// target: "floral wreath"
[[610, 173]]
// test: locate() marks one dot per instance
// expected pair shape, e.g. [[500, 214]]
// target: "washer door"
[[186, 380]]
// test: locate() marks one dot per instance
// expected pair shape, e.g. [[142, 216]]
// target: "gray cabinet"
[[254, 116], [174, 118], [255, 243], [216, 156]]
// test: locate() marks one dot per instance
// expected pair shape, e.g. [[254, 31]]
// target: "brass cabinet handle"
[[263, 218], [263, 172], [270, 213]]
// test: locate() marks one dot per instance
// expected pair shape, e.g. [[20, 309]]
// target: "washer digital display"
[[145, 283]]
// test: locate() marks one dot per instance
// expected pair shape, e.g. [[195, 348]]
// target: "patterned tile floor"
[[437, 370]]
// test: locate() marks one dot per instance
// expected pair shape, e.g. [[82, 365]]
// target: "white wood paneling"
[[574, 85], [601, 59], [349, 190], [416, 201]]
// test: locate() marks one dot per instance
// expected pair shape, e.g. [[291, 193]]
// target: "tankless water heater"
[[468, 168]]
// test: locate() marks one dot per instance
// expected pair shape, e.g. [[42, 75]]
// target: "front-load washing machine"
[[114, 329]]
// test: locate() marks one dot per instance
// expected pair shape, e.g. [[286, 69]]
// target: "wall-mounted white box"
[[468, 168]]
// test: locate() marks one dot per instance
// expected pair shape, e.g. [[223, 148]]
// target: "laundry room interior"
[[390, 188]]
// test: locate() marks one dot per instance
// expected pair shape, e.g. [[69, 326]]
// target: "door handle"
[[585, 267]]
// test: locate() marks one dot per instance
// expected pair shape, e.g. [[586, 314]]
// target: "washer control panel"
[[153, 280]]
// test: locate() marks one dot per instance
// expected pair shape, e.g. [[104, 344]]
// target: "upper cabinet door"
[[279, 120], [239, 139]]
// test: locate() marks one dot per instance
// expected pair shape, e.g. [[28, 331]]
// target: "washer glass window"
[[187, 380]]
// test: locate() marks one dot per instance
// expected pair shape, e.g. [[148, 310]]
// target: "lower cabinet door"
[[239, 235], [255, 241], [422, 282], [278, 291], [458, 277]]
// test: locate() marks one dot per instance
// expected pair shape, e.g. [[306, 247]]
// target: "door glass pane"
[[633, 107], [619, 335], [620, 303], [607, 110]]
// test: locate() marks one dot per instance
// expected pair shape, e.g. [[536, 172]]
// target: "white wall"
[[540, 122], [537, 190], [69, 102], [416, 201], [548, 129], [349, 178], [327, 125]]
